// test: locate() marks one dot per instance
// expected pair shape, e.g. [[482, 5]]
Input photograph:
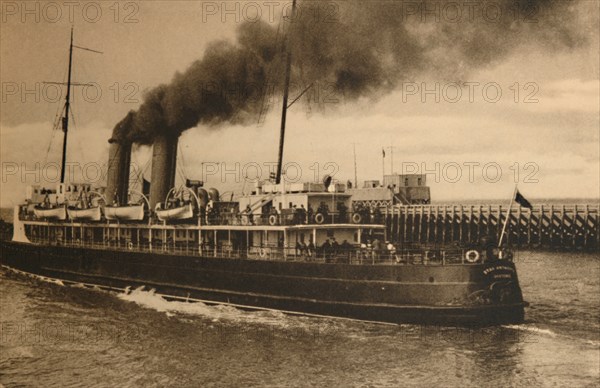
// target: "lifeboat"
[[89, 214], [57, 213], [124, 213], [184, 212]]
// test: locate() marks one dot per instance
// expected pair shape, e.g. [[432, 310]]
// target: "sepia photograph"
[[300, 193]]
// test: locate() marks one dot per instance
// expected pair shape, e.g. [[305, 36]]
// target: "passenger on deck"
[[303, 248], [299, 248], [346, 250], [46, 203], [302, 215], [209, 211], [249, 214], [309, 214], [376, 249], [346, 247], [326, 249], [310, 249], [342, 211], [367, 250], [335, 246], [391, 251], [323, 209]]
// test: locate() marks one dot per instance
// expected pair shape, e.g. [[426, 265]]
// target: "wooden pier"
[[544, 226]]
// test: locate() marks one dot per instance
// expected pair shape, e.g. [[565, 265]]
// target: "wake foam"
[[532, 329], [220, 312]]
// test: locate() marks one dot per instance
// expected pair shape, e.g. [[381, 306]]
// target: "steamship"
[[300, 248]]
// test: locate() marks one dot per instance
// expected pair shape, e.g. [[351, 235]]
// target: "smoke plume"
[[358, 48]]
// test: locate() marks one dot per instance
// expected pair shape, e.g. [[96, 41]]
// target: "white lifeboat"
[[56, 213], [124, 213], [89, 214], [184, 212]]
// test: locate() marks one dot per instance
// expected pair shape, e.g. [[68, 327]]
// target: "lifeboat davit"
[[184, 212], [124, 213], [89, 214], [57, 213]]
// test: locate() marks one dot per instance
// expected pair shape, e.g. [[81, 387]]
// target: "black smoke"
[[357, 48]]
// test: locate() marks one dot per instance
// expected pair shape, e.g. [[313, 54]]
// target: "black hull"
[[424, 294]]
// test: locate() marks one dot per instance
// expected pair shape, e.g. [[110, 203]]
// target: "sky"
[[529, 116]]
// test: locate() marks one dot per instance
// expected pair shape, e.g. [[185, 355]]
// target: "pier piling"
[[555, 227]]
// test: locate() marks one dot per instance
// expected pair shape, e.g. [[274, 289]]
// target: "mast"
[[65, 120], [286, 89]]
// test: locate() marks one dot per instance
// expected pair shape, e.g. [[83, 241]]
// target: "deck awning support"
[[215, 242], [285, 244]]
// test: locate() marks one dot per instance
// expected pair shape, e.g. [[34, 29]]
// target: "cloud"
[[31, 154], [565, 96]]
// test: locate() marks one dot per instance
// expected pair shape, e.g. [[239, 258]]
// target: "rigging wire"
[[56, 122], [139, 178], [180, 168], [55, 126], [264, 98]]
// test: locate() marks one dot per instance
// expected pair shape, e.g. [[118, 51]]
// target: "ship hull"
[[423, 294]]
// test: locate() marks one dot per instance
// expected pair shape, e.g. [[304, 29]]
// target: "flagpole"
[[382, 165], [392, 159], [512, 199]]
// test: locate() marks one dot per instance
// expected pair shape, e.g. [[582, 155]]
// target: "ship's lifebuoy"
[[130, 246], [356, 218], [472, 256], [272, 220], [78, 242], [262, 252], [319, 218]]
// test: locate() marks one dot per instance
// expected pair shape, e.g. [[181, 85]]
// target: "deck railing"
[[353, 255]]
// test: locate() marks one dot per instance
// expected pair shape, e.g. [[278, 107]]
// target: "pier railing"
[[544, 226]]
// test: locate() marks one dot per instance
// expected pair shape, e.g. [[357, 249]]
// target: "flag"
[[522, 201], [383, 152]]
